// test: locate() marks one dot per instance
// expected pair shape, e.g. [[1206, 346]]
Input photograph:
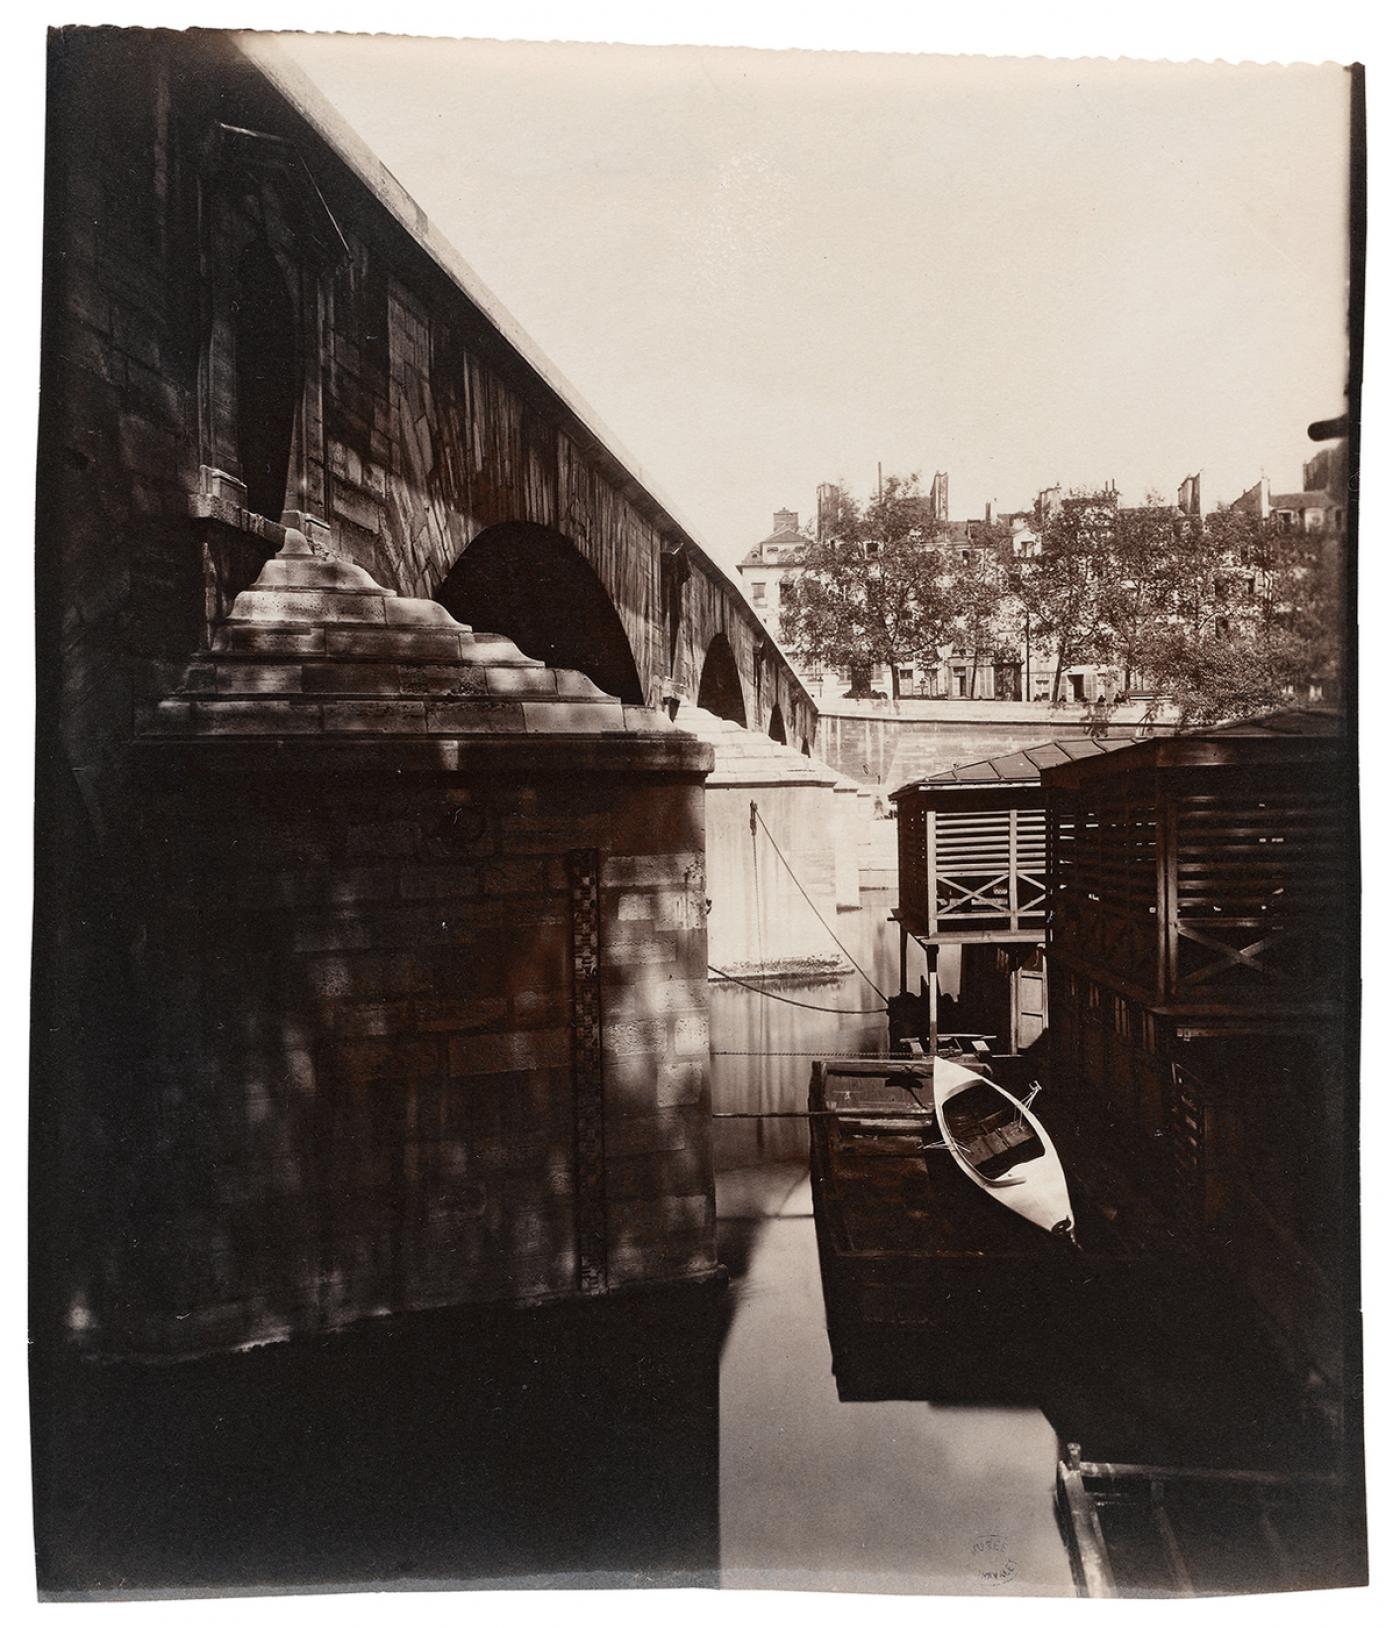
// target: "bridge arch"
[[777, 729], [532, 585], [721, 691]]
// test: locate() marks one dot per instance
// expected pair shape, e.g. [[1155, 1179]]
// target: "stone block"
[[636, 906], [446, 682], [691, 1255], [383, 839], [663, 1131], [418, 881], [513, 876], [539, 1006], [395, 1060], [630, 1084], [267, 641], [643, 950], [367, 1018], [624, 1037], [147, 448], [650, 870], [476, 718], [165, 718], [362, 975], [351, 678], [519, 1049], [692, 1035], [360, 885], [259, 678], [494, 650], [374, 717], [573, 717], [153, 394], [461, 1012], [406, 644], [310, 936], [684, 1173], [321, 605], [637, 1223], [266, 717], [528, 681], [574, 686], [680, 1085], [419, 613], [351, 503], [656, 993]]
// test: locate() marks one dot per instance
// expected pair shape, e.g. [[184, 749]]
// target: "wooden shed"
[[1202, 912], [972, 876]]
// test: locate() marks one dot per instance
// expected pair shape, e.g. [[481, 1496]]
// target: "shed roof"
[[1291, 736], [1015, 766]]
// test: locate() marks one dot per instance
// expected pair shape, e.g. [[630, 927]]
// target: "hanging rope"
[[787, 1000], [757, 814]]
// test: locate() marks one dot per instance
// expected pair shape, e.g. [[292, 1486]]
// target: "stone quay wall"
[[879, 746]]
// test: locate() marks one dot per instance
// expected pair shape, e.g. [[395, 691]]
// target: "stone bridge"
[[371, 952], [275, 334]]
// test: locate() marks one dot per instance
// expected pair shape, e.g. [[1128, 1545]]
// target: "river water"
[[815, 1492]]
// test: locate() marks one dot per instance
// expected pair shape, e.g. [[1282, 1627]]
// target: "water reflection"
[[815, 1492]]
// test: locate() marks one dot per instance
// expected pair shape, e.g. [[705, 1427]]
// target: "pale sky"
[[769, 269]]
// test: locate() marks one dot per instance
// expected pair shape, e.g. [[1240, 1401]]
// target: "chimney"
[[785, 520], [990, 516]]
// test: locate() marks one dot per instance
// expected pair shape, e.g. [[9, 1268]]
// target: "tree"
[[984, 614], [870, 590], [1062, 585], [1159, 564], [1255, 625]]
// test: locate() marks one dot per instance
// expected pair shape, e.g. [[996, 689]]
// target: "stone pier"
[[423, 935]]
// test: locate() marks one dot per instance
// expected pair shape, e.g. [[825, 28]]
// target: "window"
[[760, 593]]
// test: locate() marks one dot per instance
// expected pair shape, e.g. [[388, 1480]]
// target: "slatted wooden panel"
[[1105, 883], [988, 871], [1257, 888]]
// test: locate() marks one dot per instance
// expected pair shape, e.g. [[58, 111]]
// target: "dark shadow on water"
[[568, 1445]]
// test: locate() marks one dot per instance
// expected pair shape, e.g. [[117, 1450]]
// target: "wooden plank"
[[1171, 1546], [1089, 1555]]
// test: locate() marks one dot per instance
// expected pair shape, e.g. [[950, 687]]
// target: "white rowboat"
[[999, 1144]]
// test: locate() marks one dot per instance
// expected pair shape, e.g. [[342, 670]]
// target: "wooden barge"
[[935, 1292], [1147, 1531]]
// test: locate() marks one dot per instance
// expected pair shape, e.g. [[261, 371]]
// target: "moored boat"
[[1000, 1146]]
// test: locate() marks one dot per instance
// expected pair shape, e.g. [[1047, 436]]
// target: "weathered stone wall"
[[355, 1092], [876, 745]]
